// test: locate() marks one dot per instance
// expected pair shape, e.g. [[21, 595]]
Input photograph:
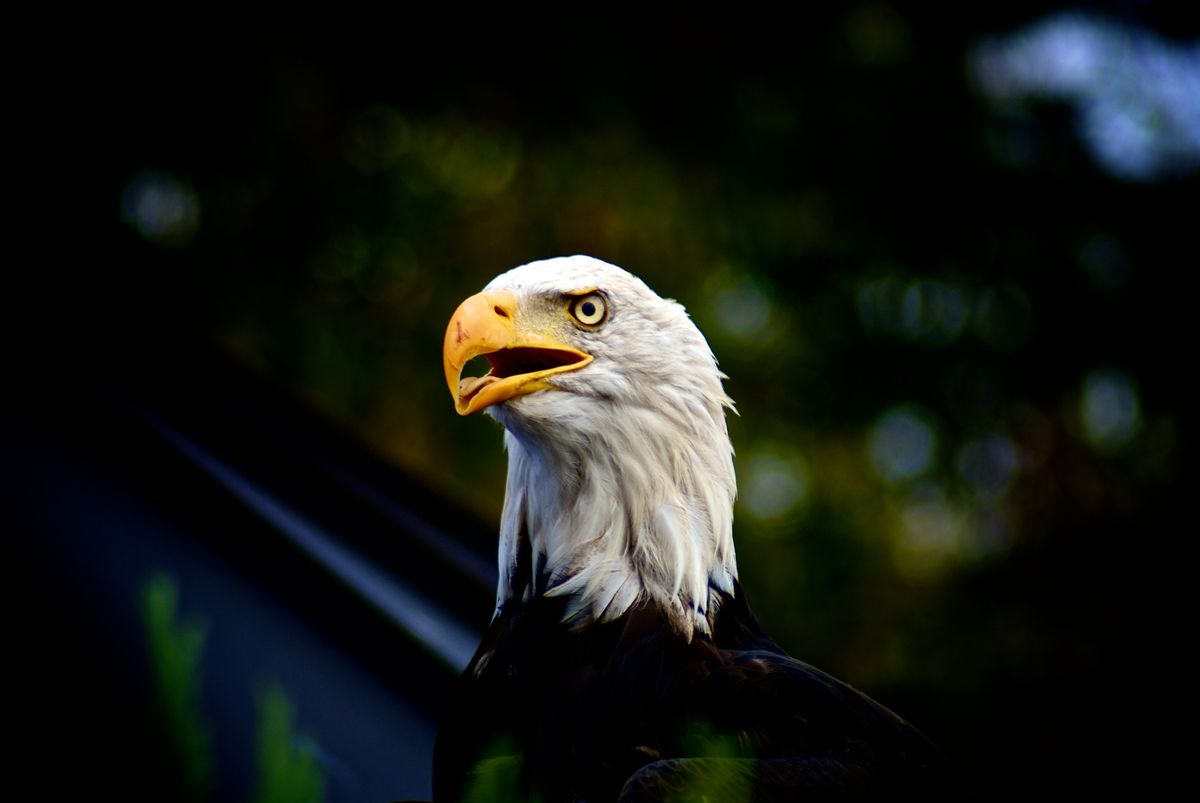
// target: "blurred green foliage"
[[723, 762], [288, 769], [497, 776], [176, 648]]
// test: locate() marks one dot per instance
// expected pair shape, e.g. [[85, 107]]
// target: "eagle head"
[[620, 476]]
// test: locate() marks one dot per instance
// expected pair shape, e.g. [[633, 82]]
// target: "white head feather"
[[622, 479]]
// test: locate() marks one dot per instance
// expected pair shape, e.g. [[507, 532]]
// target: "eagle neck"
[[640, 509]]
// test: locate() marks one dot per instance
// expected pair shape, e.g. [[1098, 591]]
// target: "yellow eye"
[[589, 310]]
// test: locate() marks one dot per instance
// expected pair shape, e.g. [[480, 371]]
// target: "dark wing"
[[582, 713], [763, 726]]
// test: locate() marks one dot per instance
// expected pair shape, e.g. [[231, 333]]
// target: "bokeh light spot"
[[924, 310], [932, 532], [1110, 411], [773, 486], [161, 208], [741, 309], [902, 444], [1137, 97], [470, 162], [988, 466]]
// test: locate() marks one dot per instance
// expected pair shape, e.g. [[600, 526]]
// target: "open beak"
[[486, 324]]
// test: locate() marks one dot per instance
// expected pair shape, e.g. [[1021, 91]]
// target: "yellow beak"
[[486, 324]]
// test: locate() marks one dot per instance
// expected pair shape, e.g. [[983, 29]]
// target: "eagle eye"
[[589, 310]]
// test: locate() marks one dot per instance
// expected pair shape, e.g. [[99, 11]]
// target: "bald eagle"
[[622, 661]]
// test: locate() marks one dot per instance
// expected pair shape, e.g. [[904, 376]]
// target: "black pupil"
[[588, 308]]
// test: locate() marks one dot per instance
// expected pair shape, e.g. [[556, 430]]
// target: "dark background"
[[957, 331]]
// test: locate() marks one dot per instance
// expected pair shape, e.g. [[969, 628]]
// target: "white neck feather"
[[621, 504]]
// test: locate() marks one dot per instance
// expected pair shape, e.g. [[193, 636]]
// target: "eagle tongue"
[[468, 386]]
